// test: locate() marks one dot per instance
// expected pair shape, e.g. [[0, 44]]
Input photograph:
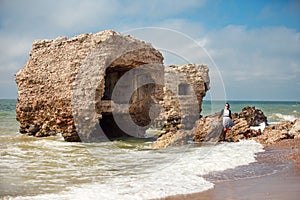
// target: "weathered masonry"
[[104, 86]]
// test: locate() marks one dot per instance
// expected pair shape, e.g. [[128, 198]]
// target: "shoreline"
[[283, 184]]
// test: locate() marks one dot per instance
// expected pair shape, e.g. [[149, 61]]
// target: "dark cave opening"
[[111, 128]]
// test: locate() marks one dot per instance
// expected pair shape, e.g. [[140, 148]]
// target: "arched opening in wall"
[[107, 122], [133, 98], [184, 89], [112, 76]]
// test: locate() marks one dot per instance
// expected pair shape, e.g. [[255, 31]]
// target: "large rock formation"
[[173, 137], [254, 117], [210, 129], [295, 130], [280, 131], [250, 123], [66, 78], [104, 85]]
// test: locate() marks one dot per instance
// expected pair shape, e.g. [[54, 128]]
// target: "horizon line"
[[228, 100]]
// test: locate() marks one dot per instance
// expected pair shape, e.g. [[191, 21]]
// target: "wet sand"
[[284, 184]]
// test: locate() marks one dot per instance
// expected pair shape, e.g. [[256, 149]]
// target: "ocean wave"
[[182, 176], [283, 117]]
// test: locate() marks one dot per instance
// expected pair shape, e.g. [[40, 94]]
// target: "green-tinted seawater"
[[50, 168], [276, 111]]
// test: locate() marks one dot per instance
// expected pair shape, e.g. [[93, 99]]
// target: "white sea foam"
[[285, 117], [182, 175], [261, 126]]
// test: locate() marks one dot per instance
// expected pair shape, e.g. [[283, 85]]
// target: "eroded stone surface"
[[63, 75], [275, 133], [68, 86]]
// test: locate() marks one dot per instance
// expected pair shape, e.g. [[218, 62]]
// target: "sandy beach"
[[283, 184]]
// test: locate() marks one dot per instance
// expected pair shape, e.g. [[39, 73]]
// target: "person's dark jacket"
[[222, 113]]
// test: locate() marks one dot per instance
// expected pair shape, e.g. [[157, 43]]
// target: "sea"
[[50, 168]]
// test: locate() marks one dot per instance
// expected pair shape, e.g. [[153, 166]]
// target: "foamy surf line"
[[283, 117], [184, 176]]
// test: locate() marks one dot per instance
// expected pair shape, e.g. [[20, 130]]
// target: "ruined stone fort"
[[103, 86]]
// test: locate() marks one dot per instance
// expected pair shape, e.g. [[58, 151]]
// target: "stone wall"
[[45, 85], [65, 77], [185, 86], [87, 85]]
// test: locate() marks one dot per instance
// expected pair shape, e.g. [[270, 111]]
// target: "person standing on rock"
[[227, 119]]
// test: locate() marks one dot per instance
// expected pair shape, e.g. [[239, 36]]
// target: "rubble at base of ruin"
[[103, 86]]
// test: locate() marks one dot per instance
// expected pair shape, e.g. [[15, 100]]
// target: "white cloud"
[[257, 58], [21, 22], [261, 57], [73, 16], [272, 51], [248, 59], [159, 8], [12, 49], [47, 18]]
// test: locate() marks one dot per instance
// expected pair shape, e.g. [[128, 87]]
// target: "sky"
[[253, 46]]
